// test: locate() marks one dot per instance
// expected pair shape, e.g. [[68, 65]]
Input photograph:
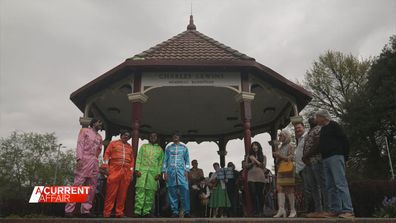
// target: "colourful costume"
[[89, 146], [148, 163], [176, 163], [120, 165]]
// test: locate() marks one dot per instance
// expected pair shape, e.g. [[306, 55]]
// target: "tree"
[[372, 116], [334, 79], [30, 159], [382, 90]]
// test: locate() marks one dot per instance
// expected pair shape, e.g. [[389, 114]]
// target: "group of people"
[[319, 160], [120, 167]]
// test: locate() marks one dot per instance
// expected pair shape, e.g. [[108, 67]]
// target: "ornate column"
[[222, 151], [85, 120], [137, 98], [296, 118], [245, 98], [109, 133], [273, 133]]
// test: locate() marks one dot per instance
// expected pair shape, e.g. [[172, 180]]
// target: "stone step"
[[197, 220]]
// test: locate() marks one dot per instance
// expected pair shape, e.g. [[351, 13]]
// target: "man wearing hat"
[[334, 148]]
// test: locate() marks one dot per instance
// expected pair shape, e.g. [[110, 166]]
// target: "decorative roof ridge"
[[191, 28], [141, 55], [223, 46]]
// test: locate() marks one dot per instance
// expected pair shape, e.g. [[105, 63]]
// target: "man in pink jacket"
[[89, 146]]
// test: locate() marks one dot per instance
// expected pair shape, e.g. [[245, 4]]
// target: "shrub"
[[368, 196], [388, 209]]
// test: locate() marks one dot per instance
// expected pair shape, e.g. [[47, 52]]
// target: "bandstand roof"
[[200, 113]]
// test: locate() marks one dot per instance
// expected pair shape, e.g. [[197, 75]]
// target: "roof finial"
[[191, 26]]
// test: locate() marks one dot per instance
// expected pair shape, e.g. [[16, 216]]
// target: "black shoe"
[[174, 215], [88, 215], [187, 215], [70, 215]]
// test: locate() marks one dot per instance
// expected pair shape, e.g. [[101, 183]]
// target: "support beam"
[[246, 115], [296, 118], [137, 99], [273, 133], [137, 105], [222, 151], [84, 121]]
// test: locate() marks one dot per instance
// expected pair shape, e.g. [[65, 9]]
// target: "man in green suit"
[[148, 171]]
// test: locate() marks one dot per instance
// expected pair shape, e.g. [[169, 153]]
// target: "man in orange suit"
[[119, 161]]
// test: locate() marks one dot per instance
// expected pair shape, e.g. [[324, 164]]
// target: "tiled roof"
[[191, 45], [190, 50]]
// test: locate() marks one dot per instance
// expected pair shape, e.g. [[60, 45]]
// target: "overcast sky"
[[50, 48]]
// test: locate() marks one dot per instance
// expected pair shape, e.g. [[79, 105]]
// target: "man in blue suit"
[[175, 169]]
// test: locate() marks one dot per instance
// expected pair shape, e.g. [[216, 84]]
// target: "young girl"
[[204, 194], [218, 199], [256, 163]]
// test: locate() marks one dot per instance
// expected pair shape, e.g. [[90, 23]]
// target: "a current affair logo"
[[59, 194]]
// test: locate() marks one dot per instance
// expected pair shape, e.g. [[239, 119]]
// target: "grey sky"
[[49, 48]]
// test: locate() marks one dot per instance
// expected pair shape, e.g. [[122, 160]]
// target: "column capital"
[[244, 96], [84, 121], [296, 119], [137, 97]]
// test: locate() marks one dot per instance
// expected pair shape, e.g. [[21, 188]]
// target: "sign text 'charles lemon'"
[[221, 79]]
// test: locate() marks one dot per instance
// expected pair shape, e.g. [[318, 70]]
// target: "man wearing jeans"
[[334, 148], [314, 167], [301, 169]]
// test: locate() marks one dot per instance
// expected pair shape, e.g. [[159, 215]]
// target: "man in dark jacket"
[[334, 148]]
